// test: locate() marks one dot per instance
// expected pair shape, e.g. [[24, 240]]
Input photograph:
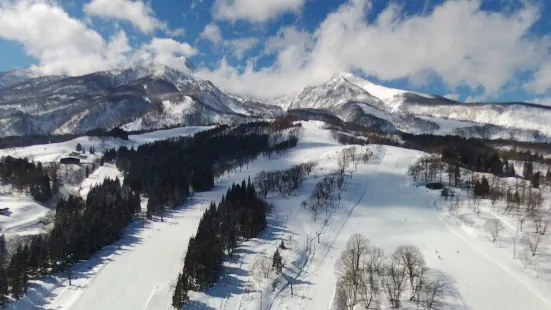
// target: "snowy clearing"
[[54, 151]]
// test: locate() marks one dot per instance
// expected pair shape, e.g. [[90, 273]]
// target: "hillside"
[[144, 97], [380, 201]]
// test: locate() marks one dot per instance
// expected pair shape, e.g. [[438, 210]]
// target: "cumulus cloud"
[[75, 49], [542, 101], [212, 33], [166, 51], [238, 47], [452, 96], [541, 81], [135, 12], [254, 10], [61, 43], [456, 42]]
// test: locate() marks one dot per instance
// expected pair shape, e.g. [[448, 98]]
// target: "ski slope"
[[379, 202]]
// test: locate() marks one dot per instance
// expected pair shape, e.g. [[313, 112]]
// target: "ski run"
[[380, 201]]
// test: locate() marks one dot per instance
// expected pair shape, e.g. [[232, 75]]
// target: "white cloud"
[[542, 79], [542, 101], [166, 51], [452, 96], [456, 42], [212, 33], [238, 47], [135, 12], [75, 49], [254, 10], [61, 43]]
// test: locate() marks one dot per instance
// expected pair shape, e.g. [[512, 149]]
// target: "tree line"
[[26, 176], [523, 199], [80, 229], [285, 182], [239, 215], [164, 171]]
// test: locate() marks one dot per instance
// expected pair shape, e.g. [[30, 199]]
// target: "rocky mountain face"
[[143, 97]]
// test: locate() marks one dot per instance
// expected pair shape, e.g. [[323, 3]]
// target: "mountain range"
[[156, 96]]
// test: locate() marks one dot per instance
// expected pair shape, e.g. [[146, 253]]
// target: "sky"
[[469, 50]]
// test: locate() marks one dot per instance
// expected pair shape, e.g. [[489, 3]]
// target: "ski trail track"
[[392, 212]]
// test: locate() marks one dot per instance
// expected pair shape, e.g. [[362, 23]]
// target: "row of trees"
[[26, 176], [285, 182], [328, 191], [239, 215], [80, 229], [365, 273], [165, 170], [523, 199]]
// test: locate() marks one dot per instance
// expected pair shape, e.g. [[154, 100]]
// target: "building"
[[70, 161]]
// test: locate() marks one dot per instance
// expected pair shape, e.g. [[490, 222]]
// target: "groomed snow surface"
[[380, 202]]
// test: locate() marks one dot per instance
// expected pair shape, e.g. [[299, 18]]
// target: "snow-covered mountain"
[[142, 97], [154, 96], [357, 100]]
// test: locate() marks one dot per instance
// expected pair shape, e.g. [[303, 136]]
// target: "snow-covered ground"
[[379, 202], [54, 151], [25, 216]]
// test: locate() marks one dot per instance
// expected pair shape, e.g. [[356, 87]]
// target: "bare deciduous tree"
[[261, 267], [394, 280], [526, 257], [534, 240], [415, 264], [349, 266], [433, 290], [494, 227]]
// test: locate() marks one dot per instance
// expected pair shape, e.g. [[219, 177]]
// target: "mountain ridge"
[[154, 95]]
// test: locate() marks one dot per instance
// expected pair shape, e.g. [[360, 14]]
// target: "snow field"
[[379, 202], [28, 217], [54, 151]]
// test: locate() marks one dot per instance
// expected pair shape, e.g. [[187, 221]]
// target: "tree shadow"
[[42, 291], [450, 299], [197, 305]]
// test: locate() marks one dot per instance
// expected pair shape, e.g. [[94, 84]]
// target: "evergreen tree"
[[4, 288], [79, 147], [3, 251], [528, 170], [277, 262], [536, 180]]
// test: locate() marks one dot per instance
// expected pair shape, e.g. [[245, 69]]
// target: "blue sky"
[[496, 50]]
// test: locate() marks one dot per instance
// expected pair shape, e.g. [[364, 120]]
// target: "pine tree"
[[536, 180], [528, 170], [277, 262], [87, 173], [79, 147], [3, 287], [3, 251]]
